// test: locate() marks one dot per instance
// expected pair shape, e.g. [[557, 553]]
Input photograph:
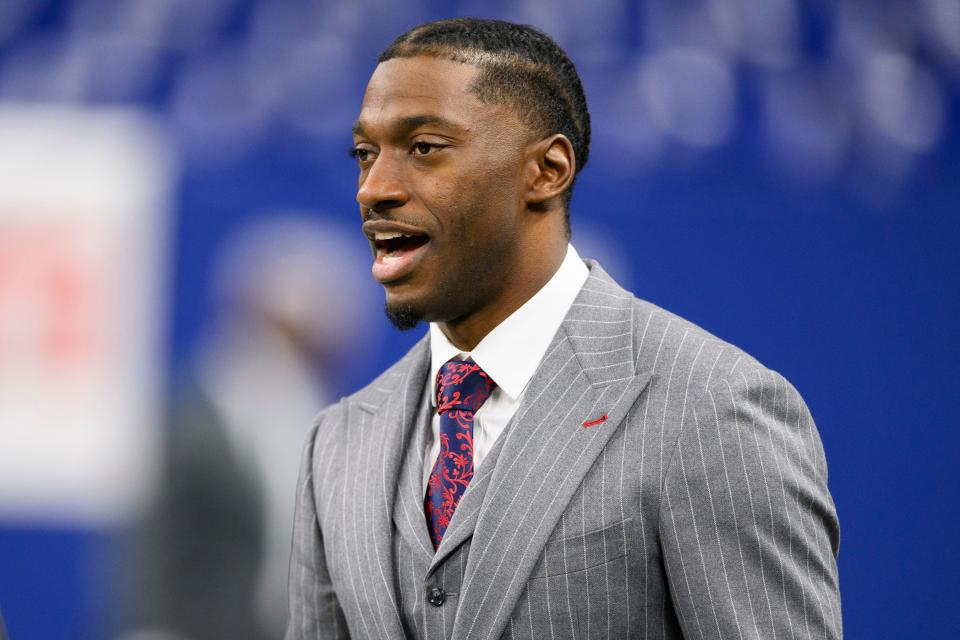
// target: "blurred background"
[[183, 282]]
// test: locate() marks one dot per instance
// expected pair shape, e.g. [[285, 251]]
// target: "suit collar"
[[601, 315]]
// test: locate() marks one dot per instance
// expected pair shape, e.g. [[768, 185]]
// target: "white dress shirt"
[[510, 354]]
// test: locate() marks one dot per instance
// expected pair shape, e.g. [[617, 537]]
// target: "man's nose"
[[383, 185]]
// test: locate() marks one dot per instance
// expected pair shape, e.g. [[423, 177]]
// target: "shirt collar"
[[511, 352]]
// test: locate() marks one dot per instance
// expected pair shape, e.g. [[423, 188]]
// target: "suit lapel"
[[387, 413], [408, 514], [579, 396]]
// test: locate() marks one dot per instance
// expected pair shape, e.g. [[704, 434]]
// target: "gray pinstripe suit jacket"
[[698, 509]]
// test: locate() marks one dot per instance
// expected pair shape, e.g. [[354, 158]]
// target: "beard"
[[403, 317]]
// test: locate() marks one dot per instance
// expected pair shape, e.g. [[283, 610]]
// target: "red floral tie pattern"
[[462, 388]]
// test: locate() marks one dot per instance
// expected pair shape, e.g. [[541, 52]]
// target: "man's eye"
[[360, 154], [423, 148]]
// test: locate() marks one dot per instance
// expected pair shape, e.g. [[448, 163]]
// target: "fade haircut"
[[519, 66]]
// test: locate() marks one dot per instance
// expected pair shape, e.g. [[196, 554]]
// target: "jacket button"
[[436, 596]]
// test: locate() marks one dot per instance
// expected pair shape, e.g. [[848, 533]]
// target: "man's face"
[[439, 189]]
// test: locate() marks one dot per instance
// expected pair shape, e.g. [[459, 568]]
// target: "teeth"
[[389, 235]]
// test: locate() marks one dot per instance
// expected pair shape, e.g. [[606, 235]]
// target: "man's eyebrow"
[[411, 123], [407, 124]]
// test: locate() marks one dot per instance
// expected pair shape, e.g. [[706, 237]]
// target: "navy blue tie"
[[462, 388]]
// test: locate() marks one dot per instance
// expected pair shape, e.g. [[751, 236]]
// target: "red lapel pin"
[[593, 423]]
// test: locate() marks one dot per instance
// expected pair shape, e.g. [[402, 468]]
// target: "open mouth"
[[396, 254], [392, 245]]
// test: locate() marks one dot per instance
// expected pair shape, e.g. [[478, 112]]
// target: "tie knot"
[[462, 385]]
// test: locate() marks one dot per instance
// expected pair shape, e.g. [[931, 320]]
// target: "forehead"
[[421, 86]]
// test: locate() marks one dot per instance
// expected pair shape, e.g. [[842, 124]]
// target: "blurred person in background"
[[216, 542]]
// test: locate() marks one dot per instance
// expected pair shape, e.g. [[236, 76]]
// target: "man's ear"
[[550, 168]]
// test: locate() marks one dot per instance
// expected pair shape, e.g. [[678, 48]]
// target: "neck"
[[466, 332]]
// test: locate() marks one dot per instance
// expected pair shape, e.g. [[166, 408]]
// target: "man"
[[556, 458]]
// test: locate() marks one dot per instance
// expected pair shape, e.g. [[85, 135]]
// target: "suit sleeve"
[[314, 610], [748, 529]]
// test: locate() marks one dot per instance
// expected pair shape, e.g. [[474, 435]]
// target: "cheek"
[[494, 189], [473, 201]]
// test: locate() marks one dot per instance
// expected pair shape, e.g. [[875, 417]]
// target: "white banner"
[[84, 211]]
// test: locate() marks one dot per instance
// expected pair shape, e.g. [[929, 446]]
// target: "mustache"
[[391, 216]]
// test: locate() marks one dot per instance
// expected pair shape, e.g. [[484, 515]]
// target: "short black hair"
[[520, 66]]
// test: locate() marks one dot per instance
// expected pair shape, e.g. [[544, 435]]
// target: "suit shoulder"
[[676, 349], [329, 423], [377, 390], [672, 349]]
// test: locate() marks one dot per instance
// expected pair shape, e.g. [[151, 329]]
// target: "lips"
[[397, 249]]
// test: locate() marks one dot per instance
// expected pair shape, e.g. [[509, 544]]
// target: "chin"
[[403, 316]]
